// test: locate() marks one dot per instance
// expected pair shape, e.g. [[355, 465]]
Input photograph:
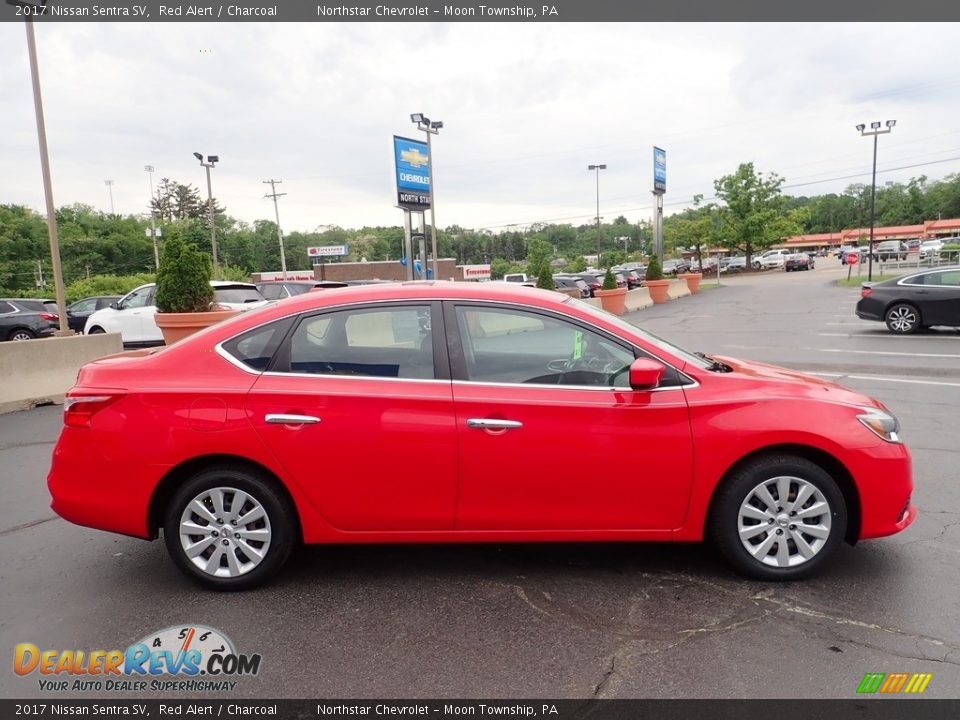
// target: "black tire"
[[96, 330], [18, 334], [902, 318], [280, 520], [724, 522]]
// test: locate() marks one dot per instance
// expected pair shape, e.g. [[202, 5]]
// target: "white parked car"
[[772, 259], [930, 249], [132, 315]]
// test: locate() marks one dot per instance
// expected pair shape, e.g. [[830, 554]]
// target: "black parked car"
[[27, 318], [917, 301], [78, 312]]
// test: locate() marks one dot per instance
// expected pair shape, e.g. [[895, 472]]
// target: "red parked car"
[[450, 412]]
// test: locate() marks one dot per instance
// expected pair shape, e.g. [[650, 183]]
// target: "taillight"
[[865, 292], [78, 410], [49, 316]]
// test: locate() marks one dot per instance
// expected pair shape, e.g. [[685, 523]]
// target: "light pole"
[[45, 168], [598, 168], [874, 131], [212, 160], [109, 184], [153, 224], [431, 128]]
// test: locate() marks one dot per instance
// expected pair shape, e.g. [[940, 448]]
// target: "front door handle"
[[281, 419], [488, 424]]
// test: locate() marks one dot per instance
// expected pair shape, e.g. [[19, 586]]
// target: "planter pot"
[[693, 281], [613, 301], [658, 290], [176, 326]]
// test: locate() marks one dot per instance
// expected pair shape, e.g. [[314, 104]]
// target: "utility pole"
[[274, 194]]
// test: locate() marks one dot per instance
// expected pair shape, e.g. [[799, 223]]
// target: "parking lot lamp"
[[212, 160], [431, 128], [597, 169], [875, 129], [153, 223]]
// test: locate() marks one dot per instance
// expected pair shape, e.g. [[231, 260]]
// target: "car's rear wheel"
[[902, 319], [20, 334], [778, 518], [228, 528], [96, 331]]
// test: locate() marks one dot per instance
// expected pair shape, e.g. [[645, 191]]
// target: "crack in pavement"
[[24, 526], [790, 607]]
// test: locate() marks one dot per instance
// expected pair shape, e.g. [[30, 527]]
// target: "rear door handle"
[[488, 424], [281, 419]]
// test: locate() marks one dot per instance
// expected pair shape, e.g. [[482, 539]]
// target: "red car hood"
[[798, 384]]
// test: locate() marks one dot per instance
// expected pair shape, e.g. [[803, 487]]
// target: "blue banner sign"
[[412, 163], [659, 170]]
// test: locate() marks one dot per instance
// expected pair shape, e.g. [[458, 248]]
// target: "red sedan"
[[451, 412]]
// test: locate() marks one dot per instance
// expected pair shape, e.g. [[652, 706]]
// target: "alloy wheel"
[[902, 319], [784, 521], [21, 335], [225, 532]]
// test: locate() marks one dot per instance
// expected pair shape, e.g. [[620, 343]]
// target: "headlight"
[[881, 423]]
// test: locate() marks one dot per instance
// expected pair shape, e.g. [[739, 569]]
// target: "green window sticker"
[[577, 344]]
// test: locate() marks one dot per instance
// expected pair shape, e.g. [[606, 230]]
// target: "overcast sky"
[[525, 109]]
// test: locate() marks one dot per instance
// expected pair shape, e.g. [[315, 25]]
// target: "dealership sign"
[[412, 163], [659, 170], [327, 251]]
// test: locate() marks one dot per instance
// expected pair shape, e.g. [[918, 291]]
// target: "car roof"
[[927, 271], [427, 290]]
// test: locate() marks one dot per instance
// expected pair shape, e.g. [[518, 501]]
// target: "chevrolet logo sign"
[[414, 157]]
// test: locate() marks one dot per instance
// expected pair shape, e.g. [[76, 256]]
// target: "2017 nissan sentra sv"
[[449, 412]]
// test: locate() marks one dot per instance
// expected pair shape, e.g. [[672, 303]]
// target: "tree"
[[176, 201], [539, 253], [183, 280], [545, 278], [498, 268], [753, 216]]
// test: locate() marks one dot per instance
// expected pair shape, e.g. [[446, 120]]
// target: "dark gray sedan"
[[913, 302]]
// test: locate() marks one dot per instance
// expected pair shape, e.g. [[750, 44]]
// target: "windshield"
[[237, 295], [677, 352]]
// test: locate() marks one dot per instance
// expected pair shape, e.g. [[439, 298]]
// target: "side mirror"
[[645, 374], [115, 305]]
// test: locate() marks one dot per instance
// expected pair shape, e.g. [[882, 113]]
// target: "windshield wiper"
[[715, 365]]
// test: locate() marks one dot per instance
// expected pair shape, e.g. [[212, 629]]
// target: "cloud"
[[526, 108]]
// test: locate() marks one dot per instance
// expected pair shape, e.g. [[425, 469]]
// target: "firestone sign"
[[327, 251], [476, 272]]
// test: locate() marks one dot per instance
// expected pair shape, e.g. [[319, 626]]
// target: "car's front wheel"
[[902, 319], [96, 330], [228, 528], [778, 518]]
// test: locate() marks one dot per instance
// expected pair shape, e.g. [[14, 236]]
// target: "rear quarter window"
[[255, 348]]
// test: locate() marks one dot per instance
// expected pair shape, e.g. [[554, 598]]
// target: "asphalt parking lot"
[[566, 621]]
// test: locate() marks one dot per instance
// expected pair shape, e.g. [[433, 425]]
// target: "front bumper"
[[884, 478]]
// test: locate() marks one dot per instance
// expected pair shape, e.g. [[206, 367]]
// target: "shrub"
[[654, 271], [183, 280], [545, 278], [609, 281], [106, 285]]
